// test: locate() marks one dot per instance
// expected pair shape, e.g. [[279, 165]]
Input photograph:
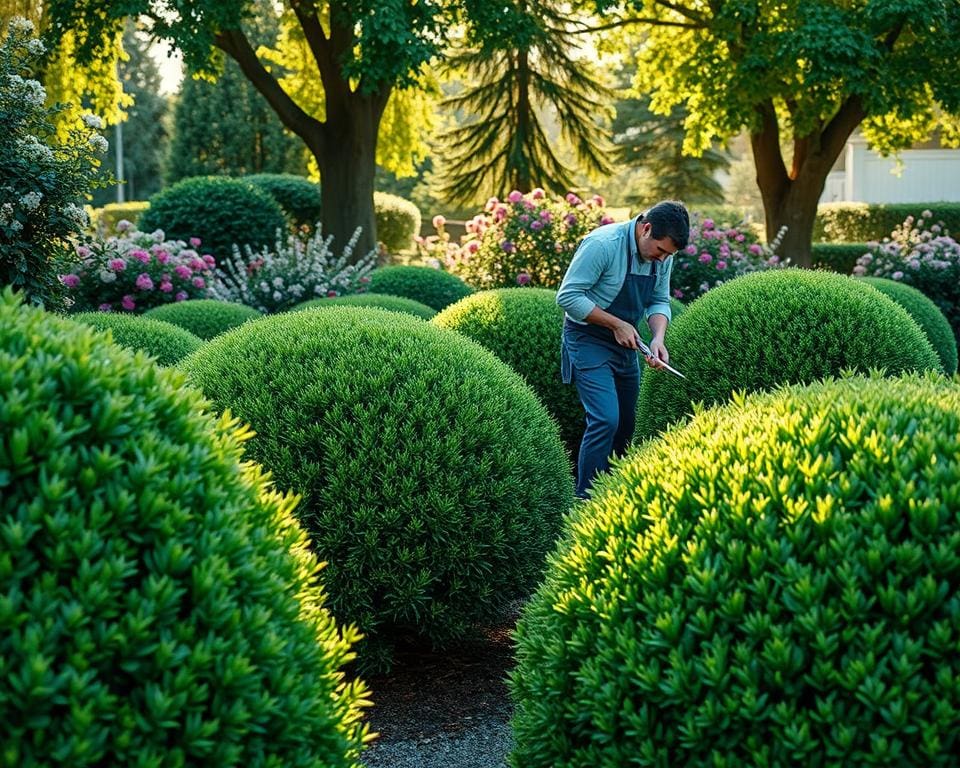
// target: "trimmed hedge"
[[677, 308], [523, 327], [221, 211], [863, 222], [781, 326], [381, 300], [398, 221], [782, 590], [433, 287], [159, 604], [927, 315], [837, 257], [433, 481], [104, 220], [166, 342], [298, 197], [204, 318]]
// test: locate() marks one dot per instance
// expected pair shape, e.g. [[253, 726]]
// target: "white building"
[[923, 175]]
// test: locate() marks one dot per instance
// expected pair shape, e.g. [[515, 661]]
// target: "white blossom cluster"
[[30, 90], [293, 271]]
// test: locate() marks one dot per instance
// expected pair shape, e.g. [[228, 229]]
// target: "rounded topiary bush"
[[222, 212], [677, 308], [433, 481], [782, 590], [159, 602], [927, 315], [298, 197], [781, 326], [398, 221], [381, 300], [523, 327], [205, 318], [167, 342], [433, 287]]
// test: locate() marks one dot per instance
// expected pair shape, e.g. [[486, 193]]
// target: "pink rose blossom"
[[677, 293], [439, 221], [705, 258], [524, 218], [143, 282], [708, 223], [166, 286], [538, 194], [183, 271], [572, 199], [690, 249], [83, 251], [523, 278], [71, 281], [195, 242], [546, 215], [473, 246], [508, 247], [721, 265], [209, 260], [599, 200], [140, 255], [500, 213], [163, 257], [117, 265], [755, 249], [515, 196], [128, 303], [198, 282]]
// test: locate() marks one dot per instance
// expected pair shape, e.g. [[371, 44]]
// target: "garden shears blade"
[[645, 350]]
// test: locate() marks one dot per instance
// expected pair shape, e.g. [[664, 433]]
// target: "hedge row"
[[863, 222]]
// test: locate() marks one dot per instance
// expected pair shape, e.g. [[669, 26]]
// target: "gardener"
[[619, 275]]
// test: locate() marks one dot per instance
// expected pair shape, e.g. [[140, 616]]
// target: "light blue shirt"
[[599, 267]]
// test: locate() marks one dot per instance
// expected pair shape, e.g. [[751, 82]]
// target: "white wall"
[[924, 176]]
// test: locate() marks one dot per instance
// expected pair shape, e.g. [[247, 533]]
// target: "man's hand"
[[626, 335], [658, 354]]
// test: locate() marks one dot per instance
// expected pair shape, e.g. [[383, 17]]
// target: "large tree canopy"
[[817, 69]]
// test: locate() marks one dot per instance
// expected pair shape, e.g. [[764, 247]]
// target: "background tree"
[[523, 71], [145, 135], [817, 69]]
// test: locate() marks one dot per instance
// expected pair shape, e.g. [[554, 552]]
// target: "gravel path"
[[483, 746]]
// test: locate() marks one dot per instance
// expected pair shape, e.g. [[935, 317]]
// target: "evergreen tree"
[[226, 127], [145, 135], [524, 72]]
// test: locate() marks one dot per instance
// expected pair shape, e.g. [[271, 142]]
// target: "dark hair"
[[669, 218]]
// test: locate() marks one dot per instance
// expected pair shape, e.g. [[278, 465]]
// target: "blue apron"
[[590, 346]]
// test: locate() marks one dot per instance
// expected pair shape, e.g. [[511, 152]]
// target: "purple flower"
[[71, 281], [572, 199], [163, 257], [536, 225], [523, 278], [181, 296], [515, 196], [83, 251], [755, 249], [721, 264], [690, 249], [524, 218], [913, 264], [546, 215], [140, 255], [209, 260], [144, 283], [166, 286], [508, 247], [708, 223], [705, 258], [195, 242], [198, 282], [898, 275], [105, 307], [117, 265], [183, 271], [570, 219], [500, 213], [128, 303], [677, 293]]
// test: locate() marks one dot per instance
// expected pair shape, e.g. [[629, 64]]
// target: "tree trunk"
[[797, 211]]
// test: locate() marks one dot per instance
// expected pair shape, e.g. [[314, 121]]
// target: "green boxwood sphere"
[[298, 197], [780, 326], [523, 327], [167, 342], [777, 583], [381, 300], [221, 211], [433, 287], [433, 481], [398, 221], [204, 318], [927, 315], [158, 601]]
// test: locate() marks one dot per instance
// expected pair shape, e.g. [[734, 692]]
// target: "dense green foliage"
[[863, 222], [160, 604], [433, 287], [433, 481], [297, 196], [837, 257], [926, 314], [782, 590], [381, 300], [677, 308], [398, 221], [166, 342], [204, 318], [782, 326], [523, 327], [222, 212]]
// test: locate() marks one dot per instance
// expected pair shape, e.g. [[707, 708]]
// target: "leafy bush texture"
[[159, 602], [166, 342], [783, 590], [398, 221], [298, 197], [204, 318], [133, 271], [523, 327], [381, 300], [782, 326], [298, 267], [107, 220], [222, 212], [926, 314], [433, 287], [44, 178], [837, 257], [433, 481], [860, 222]]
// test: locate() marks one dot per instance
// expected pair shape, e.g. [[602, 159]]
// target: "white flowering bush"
[[43, 179], [298, 268], [135, 271], [920, 252]]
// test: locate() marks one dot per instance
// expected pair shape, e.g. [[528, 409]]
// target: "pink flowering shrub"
[[135, 271], [921, 254], [524, 240], [716, 255]]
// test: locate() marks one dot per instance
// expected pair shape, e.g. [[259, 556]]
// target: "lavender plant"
[[298, 268]]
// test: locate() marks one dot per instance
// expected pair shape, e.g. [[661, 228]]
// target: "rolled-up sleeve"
[[589, 261], [660, 301]]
